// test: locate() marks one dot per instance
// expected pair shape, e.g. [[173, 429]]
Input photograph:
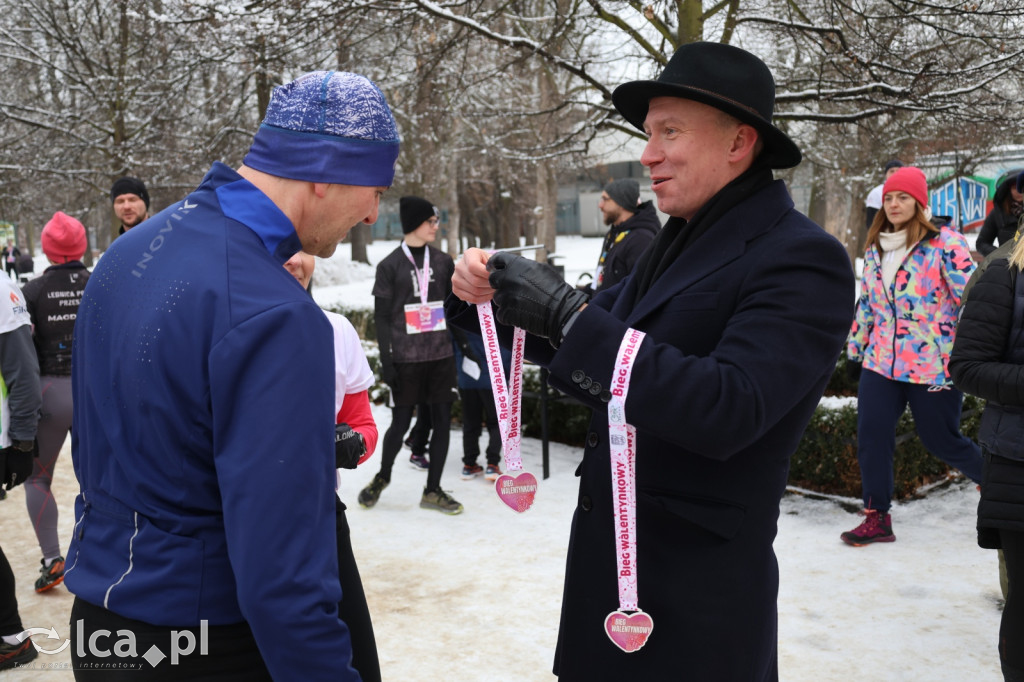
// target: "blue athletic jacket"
[[203, 382]]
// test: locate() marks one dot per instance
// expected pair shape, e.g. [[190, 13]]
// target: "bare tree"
[[858, 81]]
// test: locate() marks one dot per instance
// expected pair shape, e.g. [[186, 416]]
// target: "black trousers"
[[1011, 627], [420, 434], [440, 422], [478, 408], [352, 608], [10, 621], [232, 653]]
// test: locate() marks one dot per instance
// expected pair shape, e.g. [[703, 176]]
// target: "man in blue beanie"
[[203, 424]]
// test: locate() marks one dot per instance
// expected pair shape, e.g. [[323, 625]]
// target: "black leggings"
[[440, 423], [352, 608], [237, 656], [1011, 628], [10, 622]]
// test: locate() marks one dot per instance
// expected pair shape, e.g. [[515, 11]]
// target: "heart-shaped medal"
[[629, 632], [517, 491]]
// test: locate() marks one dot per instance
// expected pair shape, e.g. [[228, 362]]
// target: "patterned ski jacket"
[[905, 332]]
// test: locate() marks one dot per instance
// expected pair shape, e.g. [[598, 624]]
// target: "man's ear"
[[743, 143], [320, 189]]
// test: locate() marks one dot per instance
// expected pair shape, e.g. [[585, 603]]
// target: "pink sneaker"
[[876, 528]]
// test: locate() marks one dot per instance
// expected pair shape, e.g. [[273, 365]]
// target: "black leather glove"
[[349, 447], [532, 296], [853, 370], [16, 466]]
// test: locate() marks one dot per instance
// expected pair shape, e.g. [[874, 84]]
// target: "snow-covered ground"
[[475, 597]]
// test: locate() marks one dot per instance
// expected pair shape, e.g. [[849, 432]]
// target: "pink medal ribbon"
[[516, 488], [628, 627], [423, 277]]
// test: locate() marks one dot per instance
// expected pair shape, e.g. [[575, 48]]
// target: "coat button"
[[606, 396], [586, 383], [586, 504], [593, 440], [595, 389], [578, 376]]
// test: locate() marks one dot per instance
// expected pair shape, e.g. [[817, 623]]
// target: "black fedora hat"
[[722, 76]]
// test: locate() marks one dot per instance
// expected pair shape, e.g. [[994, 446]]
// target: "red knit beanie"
[[63, 238], [910, 180]]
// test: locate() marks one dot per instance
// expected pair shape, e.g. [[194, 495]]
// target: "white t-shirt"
[[874, 199], [352, 371]]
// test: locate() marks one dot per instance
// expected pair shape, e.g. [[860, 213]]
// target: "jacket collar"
[[242, 201], [726, 241]]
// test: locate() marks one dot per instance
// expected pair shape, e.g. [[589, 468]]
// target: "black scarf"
[[678, 233]]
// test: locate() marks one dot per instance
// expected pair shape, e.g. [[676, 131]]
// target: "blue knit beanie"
[[327, 126]]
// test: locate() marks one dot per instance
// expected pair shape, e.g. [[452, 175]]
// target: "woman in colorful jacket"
[[914, 275]]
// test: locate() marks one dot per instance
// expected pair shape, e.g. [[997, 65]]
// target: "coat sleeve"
[[792, 311], [976, 362], [20, 369], [985, 243], [957, 264], [274, 459], [860, 332]]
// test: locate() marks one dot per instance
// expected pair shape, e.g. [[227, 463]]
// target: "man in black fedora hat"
[[743, 304]]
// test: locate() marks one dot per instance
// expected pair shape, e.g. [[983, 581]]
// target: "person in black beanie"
[[131, 202], [634, 225], [412, 211], [716, 351], [416, 357]]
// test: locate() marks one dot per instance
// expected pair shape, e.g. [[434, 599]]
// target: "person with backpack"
[[52, 300]]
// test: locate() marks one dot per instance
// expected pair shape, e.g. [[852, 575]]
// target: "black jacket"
[[52, 300], [988, 361], [999, 225], [624, 244]]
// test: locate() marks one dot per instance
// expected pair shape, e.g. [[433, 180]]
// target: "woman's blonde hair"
[[1017, 254], [917, 228]]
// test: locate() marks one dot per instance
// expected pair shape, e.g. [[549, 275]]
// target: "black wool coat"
[[985, 362], [743, 333]]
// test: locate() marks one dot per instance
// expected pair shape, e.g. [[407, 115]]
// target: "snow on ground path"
[[476, 597], [923, 608]]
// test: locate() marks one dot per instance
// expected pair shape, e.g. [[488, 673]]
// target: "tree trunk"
[[451, 192], [547, 200], [359, 237]]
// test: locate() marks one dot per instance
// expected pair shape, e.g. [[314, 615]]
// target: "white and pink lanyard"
[[516, 491], [628, 627], [422, 277]]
